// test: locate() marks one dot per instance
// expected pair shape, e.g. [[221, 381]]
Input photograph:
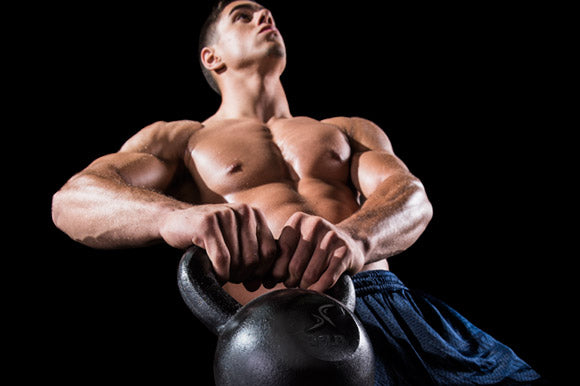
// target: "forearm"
[[106, 212], [391, 219]]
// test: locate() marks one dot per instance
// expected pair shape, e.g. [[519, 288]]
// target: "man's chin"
[[277, 52]]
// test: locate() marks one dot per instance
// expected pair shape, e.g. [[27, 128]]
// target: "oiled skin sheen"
[[272, 198]]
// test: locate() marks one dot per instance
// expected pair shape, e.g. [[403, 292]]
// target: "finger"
[[248, 242], [320, 259], [337, 266], [317, 265], [287, 242], [217, 251], [267, 245], [299, 262], [228, 229], [252, 285], [312, 229]]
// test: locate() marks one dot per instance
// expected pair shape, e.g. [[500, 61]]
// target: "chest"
[[241, 155]]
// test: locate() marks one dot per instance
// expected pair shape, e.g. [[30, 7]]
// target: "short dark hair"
[[208, 36]]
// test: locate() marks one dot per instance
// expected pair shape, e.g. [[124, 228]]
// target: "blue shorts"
[[419, 340]]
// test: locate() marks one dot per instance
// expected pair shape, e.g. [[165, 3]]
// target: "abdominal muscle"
[[279, 201]]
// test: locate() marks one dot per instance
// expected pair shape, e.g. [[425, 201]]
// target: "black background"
[[467, 95]]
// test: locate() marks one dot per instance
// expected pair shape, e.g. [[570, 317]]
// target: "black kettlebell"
[[284, 337]]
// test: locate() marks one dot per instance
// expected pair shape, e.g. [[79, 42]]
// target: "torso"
[[290, 165]]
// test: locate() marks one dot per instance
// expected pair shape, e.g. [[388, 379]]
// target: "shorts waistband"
[[368, 282]]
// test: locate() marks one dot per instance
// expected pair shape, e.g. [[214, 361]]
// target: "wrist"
[[358, 246], [356, 232], [169, 220]]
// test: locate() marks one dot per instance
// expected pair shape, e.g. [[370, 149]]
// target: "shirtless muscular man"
[[283, 201], [272, 198]]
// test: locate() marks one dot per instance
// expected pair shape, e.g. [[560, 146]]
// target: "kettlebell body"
[[285, 337]]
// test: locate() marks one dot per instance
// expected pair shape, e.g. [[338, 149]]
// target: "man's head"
[[239, 34]]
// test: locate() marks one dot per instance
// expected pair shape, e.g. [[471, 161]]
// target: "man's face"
[[247, 34]]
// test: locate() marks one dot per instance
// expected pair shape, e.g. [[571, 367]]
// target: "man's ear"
[[211, 60]]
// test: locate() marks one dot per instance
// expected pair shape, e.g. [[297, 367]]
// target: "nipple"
[[235, 167]]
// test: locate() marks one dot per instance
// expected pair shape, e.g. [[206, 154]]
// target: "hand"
[[236, 238], [314, 253]]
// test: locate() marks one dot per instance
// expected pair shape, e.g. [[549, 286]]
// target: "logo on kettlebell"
[[326, 336], [322, 318]]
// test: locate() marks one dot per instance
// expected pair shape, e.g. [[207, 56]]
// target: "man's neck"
[[253, 97]]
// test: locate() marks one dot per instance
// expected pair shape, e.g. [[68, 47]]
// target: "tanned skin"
[[273, 198]]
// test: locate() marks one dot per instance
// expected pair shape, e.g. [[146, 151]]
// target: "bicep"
[[373, 159], [135, 169], [371, 168], [150, 159]]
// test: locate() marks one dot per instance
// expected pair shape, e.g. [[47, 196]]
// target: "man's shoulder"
[[351, 124], [162, 138], [172, 127], [172, 131], [339, 121], [361, 130]]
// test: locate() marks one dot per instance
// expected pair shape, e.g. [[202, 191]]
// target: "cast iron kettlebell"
[[284, 337]]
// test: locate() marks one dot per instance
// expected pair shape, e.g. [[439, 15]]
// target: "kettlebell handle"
[[213, 306], [201, 291]]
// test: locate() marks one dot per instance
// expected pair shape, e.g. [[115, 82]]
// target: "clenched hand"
[[314, 253], [236, 238]]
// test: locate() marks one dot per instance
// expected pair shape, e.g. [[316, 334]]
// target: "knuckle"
[[208, 221], [219, 211], [243, 209], [250, 247], [296, 215], [295, 219], [314, 226], [229, 213], [332, 277], [252, 261], [255, 217], [309, 277], [270, 252], [284, 249], [256, 212], [332, 234], [342, 267], [318, 222], [330, 239], [308, 231], [221, 260], [294, 268], [339, 256], [198, 240]]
